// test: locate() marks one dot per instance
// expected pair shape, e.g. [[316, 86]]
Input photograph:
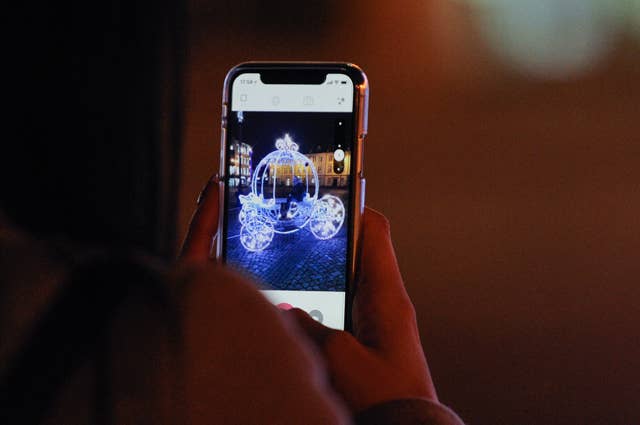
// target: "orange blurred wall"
[[514, 203]]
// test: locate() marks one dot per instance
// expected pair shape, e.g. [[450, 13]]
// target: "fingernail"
[[213, 180]]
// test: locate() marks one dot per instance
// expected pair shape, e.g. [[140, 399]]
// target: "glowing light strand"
[[261, 218]]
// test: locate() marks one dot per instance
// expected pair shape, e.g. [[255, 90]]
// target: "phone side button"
[[360, 164], [363, 187], [223, 147], [224, 115]]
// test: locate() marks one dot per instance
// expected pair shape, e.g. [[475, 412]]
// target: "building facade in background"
[[332, 169], [241, 164]]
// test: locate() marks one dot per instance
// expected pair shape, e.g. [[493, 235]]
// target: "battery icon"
[[343, 82]]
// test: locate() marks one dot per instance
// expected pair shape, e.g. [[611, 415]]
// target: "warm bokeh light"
[[634, 10], [554, 38]]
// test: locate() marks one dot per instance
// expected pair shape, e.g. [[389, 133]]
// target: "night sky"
[[312, 131]]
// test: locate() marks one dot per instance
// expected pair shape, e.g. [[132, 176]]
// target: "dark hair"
[[95, 93]]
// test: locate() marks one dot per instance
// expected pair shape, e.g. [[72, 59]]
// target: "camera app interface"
[[288, 159]]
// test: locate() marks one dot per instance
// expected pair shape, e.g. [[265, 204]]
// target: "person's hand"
[[383, 360], [243, 362], [203, 227]]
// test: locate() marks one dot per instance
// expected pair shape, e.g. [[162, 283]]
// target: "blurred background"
[[504, 147]]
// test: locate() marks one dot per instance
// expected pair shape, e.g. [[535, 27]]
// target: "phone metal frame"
[[360, 111]]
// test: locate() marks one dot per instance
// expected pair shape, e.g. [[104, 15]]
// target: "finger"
[[339, 348], [317, 332], [382, 313], [204, 224], [334, 344], [352, 369]]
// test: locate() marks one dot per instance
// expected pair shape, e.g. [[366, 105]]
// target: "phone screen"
[[288, 191]]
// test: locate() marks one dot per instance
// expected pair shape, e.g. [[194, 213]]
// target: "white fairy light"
[[263, 214], [286, 144]]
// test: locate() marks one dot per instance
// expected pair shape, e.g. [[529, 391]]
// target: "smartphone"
[[293, 186]]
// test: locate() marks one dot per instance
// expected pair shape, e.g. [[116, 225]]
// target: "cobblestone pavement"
[[296, 261]]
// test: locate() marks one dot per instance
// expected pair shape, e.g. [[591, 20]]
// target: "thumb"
[[339, 348], [204, 224], [317, 332]]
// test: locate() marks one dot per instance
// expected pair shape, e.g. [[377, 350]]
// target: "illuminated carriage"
[[284, 199]]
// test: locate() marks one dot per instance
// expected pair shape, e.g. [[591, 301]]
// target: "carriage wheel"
[[246, 213], [327, 217], [256, 235]]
